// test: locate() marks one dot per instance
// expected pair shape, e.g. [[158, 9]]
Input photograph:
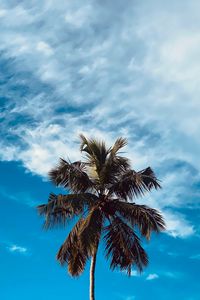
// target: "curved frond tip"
[[145, 218], [132, 184], [72, 176], [119, 144], [71, 253], [123, 247], [61, 208]]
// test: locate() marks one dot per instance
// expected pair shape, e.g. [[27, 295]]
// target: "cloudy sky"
[[106, 69]]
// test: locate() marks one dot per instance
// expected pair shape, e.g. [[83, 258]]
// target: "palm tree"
[[101, 191]]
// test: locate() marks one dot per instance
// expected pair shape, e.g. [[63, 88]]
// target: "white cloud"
[[44, 48], [40, 159], [2, 12], [134, 273], [130, 76], [152, 276], [79, 17], [8, 153], [172, 275], [17, 249], [177, 225]]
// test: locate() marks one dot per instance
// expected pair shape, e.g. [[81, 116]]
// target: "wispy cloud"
[[152, 276], [22, 197], [177, 225], [195, 256], [17, 249], [172, 275], [132, 76], [133, 273], [122, 297]]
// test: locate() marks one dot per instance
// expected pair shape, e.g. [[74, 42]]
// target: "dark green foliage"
[[101, 190]]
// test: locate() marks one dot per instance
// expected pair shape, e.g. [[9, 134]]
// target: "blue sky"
[[105, 69]]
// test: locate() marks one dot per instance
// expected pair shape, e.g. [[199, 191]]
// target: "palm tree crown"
[[102, 189]]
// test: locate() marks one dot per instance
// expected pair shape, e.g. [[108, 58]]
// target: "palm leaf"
[[95, 183], [112, 169], [132, 184], [144, 217], [114, 164], [72, 176], [71, 253], [90, 231], [63, 207], [119, 143], [149, 179], [96, 152], [123, 247]]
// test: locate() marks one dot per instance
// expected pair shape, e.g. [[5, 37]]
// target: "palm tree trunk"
[[92, 274]]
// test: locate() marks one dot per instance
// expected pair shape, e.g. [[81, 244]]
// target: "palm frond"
[[132, 184], [123, 247], [145, 218], [56, 214], [114, 164], [61, 208], [72, 176], [149, 179], [101, 187], [71, 254], [96, 152], [106, 162], [90, 231], [112, 168], [119, 144]]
